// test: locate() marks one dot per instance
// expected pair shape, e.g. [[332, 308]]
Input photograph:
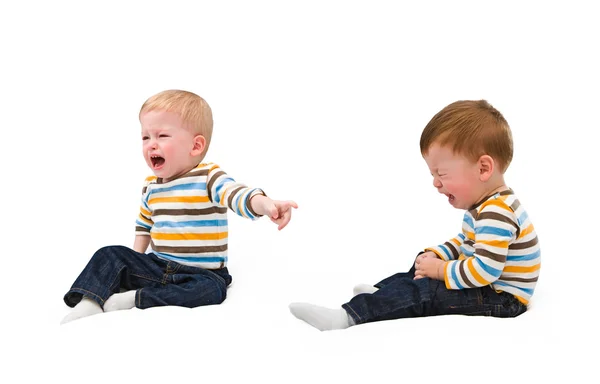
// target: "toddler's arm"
[[495, 229], [224, 191], [246, 202], [141, 243], [144, 222], [450, 250]]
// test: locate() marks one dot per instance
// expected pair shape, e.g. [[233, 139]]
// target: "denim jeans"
[[157, 282], [400, 296]]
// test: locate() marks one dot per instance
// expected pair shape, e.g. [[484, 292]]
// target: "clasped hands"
[[429, 265]]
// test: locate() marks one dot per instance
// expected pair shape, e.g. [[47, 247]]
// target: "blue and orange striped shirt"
[[186, 218], [498, 246]]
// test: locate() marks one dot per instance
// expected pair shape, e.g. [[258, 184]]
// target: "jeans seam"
[[139, 296], [354, 312], [497, 309], [146, 277]]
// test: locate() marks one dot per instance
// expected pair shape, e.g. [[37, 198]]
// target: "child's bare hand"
[[425, 255], [280, 212], [283, 213], [428, 265]]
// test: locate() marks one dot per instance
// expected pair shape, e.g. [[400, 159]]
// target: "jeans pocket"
[[462, 302]]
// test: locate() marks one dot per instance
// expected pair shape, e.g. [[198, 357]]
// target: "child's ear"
[[199, 145], [486, 167]]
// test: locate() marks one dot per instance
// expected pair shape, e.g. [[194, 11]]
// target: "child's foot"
[[118, 301], [364, 288], [86, 307], [324, 319]]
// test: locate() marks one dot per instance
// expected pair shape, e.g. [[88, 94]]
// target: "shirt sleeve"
[[495, 229], [450, 250], [224, 191], [144, 222]]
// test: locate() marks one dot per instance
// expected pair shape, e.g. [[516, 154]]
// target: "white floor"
[[252, 336], [320, 102]]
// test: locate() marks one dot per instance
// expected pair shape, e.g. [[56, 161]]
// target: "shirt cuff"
[[256, 191]]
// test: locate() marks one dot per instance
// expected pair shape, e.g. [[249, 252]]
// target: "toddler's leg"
[[110, 269], [398, 296], [186, 287], [324, 319], [86, 307]]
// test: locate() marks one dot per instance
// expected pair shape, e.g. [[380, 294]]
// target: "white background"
[[320, 102]]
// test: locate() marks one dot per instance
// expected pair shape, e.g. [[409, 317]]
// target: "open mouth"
[[157, 161]]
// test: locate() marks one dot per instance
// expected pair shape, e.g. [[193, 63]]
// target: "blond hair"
[[472, 129], [193, 110]]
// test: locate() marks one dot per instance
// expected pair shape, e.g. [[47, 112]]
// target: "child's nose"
[[437, 183]]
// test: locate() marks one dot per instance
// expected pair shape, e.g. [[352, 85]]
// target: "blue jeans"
[[157, 282], [400, 296]]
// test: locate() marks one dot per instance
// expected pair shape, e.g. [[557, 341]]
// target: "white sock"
[[86, 307], [364, 288], [324, 319], [118, 301]]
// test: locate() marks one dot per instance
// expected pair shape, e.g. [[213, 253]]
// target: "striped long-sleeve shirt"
[[498, 246], [186, 218]]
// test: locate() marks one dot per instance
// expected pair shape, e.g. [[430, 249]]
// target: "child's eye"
[[144, 138], [163, 136]]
